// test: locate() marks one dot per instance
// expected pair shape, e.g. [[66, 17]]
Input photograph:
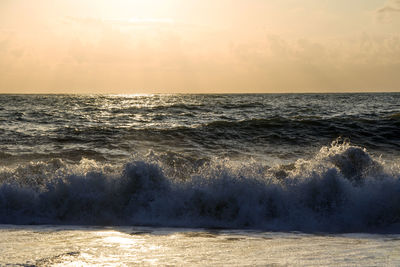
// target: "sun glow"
[[176, 46], [148, 10]]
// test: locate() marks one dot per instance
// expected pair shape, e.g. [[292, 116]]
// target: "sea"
[[200, 180]]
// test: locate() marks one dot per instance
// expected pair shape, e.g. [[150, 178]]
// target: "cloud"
[[390, 9], [140, 21], [99, 55], [121, 21], [365, 62]]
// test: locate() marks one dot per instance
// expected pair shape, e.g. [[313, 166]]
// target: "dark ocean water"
[[310, 162]]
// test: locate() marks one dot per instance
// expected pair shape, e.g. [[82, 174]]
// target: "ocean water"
[[265, 173], [148, 246]]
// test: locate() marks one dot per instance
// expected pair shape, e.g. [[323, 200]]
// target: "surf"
[[342, 188]]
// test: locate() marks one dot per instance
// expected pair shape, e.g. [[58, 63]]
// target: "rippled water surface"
[[112, 128]]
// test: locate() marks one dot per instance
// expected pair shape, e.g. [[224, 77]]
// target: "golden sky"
[[191, 46]]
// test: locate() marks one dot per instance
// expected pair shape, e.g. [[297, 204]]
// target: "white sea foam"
[[341, 189]]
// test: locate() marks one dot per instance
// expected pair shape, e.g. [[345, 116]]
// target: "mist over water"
[[309, 162]]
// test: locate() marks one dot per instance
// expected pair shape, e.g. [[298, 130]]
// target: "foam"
[[341, 189]]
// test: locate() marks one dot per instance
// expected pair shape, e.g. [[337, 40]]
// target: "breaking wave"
[[341, 189]]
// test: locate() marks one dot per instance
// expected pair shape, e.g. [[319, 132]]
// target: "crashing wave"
[[341, 189]]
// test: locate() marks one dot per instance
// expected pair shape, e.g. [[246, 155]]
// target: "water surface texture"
[[284, 162], [147, 246]]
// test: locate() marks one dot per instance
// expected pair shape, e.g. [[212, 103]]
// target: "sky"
[[191, 46]]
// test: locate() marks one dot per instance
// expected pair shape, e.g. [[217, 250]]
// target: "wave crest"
[[341, 189]]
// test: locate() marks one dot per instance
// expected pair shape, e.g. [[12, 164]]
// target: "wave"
[[319, 123], [341, 189], [378, 134]]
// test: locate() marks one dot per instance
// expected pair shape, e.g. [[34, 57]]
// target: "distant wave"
[[104, 142], [371, 133], [341, 189], [109, 128]]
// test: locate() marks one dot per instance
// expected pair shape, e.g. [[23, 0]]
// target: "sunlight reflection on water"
[[125, 246]]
